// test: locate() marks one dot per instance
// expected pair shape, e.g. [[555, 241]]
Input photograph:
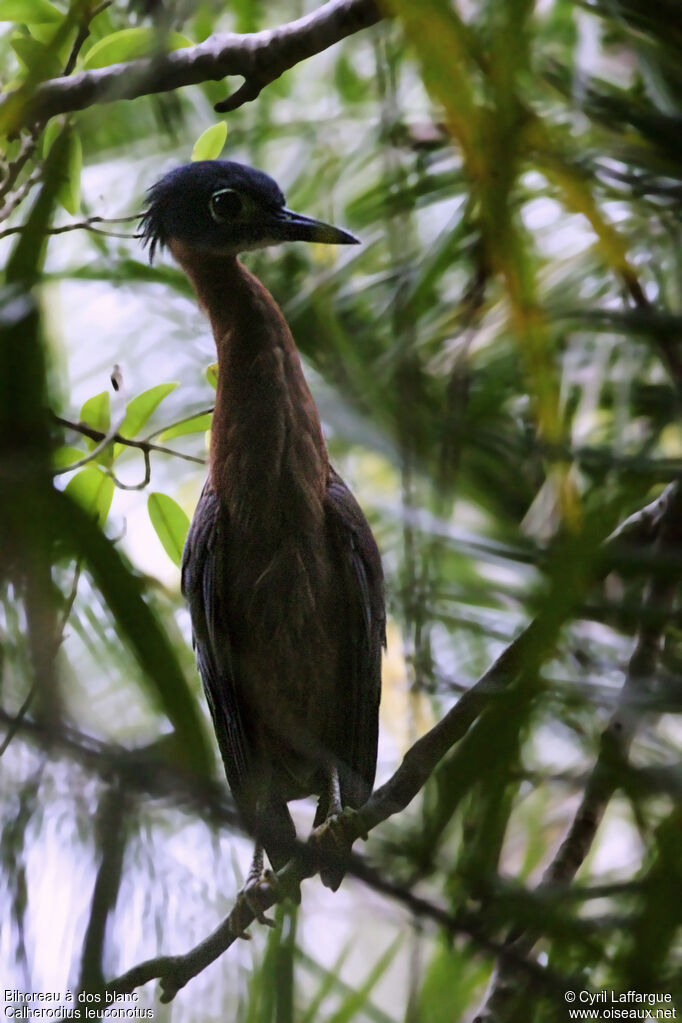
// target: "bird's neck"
[[268, 461]]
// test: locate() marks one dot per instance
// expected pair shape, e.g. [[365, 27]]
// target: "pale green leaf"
[[96, 414], [63, 456], [94, 491], [53, 129], [212, 375], [69, 193], [29, 12], [131, 44], [170, 522], [193, 424], [140, 409], [36, 57], [210, 143]]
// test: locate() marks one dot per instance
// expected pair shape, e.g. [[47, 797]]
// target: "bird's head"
[[221, 207]]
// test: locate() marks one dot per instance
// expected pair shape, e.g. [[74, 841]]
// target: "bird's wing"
[[203, 588], [364, 633]]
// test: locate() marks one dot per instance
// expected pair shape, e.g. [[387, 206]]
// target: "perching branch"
[[175, 972], [259, 57], [393, 797], [417, 765]]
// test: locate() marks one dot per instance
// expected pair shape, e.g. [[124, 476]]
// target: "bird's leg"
[[334, 805], [250, 894], [331, 836], [256, 869]]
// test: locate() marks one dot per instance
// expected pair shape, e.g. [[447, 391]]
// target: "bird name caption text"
[[68, 1005]]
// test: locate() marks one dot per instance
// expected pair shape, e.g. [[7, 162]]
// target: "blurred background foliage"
[[499, 374]]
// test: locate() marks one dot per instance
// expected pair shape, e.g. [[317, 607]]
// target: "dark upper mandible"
[[224, 207]]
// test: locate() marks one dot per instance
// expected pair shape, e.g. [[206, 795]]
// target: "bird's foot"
[[251, 900], [331, 841]]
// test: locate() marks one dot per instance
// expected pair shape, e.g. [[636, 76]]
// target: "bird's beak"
[[297, 228]]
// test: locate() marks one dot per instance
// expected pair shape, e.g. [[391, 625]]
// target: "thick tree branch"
[[259, 58]]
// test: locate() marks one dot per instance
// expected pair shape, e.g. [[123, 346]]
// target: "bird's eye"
[[225, 205]]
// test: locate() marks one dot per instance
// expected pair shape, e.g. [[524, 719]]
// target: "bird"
[[280, 568]]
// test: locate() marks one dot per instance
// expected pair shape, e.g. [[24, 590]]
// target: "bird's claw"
[[339, 827], [332, 841], [251, 895]]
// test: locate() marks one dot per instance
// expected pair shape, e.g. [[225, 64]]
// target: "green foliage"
[[129, 44], [193, 424], [29, 12], [123, 593], [210, 143], [94, 491], [96, 413], [70, 189], [171, 524], [140, 409], [498, 374]]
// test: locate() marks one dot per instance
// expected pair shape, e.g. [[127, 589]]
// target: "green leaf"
[[212, 375], [170, 522], [64, 456], [210, 143], [52, 131], [137, 623], [131, 44], [140, 409], [38, 58], [193, 424], [354, 1003], [94, 491], [26, 260], [69, 192], [96, 413], [29, 12]]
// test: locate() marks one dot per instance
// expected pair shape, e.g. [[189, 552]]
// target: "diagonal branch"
[[174, 972], [259, 57], [507, 990], [663, 516], [393, 797]]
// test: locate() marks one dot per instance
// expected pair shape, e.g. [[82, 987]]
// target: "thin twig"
[[134, 486], [141, 445], [81, 225], [18, 720], [18, 196], [26, 150], [83, 35], [103, 442]]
